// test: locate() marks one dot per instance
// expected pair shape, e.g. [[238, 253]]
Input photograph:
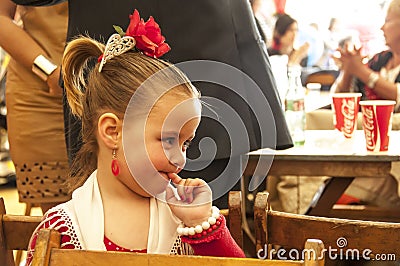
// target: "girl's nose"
[[177, 158]]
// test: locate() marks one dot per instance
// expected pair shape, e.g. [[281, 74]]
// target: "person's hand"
[[196, 200], [297, 55], [350, 59], [53, 82]]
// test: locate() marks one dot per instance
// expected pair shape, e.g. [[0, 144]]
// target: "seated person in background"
[[379, 79], [284, 37], [139, 115]]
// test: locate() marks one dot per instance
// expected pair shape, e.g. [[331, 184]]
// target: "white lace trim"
[[63, 224], [180, 248], [57, 218]]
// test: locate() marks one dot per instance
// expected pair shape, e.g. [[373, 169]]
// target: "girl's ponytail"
[[77, 55]]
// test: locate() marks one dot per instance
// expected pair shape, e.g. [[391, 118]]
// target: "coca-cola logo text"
[[348, 112], [369, 128]]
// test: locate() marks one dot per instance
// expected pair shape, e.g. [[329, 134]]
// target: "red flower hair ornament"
[[144, 36]]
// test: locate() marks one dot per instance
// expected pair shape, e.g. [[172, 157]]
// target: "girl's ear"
[[109, 129]]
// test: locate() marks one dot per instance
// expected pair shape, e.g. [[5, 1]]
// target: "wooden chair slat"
[[291, 230], [48, 253], [15, 233], [370, 213], [6, 255], [361, 235], [235, 216], [16, 229], [72, 257]]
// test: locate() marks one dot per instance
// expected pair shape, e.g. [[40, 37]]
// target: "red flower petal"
[[154, 35], [162, 49], [134, 21], [147, 35], [136, 17], [144, 44], [148, 41], [152, 23], [140, 29]]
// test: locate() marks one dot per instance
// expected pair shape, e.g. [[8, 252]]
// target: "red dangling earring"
[[114, 163]]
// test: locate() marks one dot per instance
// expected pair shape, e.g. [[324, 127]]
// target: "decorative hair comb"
[[144, 36]]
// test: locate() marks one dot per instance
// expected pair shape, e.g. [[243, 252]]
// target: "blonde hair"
[[394, 6], [91, 93]]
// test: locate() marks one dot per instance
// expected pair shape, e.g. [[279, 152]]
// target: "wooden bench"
[[15, 233], [346, 236], [48, 253]]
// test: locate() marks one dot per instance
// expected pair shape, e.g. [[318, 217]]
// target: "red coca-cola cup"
[[377, 123], [345, 110]]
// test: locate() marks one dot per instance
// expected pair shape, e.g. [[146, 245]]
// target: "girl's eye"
[[169, 141]]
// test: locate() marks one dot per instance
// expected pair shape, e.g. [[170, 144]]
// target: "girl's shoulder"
[[56, 218]]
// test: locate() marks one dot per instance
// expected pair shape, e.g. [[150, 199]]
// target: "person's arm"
[[353, 66], [343, 83], [14, 40], [218, 243], [383, 88]]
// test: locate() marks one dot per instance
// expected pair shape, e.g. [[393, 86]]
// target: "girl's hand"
[[194, 207]]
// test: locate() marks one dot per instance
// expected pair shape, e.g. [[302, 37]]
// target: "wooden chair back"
[[325, 77], [48, 253], [346, 236], [15, 233], [233, 216]]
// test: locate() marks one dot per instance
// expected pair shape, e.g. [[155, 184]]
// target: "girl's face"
[[158, 146], [391, 28], [289, 37]]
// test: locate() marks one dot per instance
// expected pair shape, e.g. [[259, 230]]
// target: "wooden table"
[[327, 153]]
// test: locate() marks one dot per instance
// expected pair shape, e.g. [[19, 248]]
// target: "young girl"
[[139, 114]]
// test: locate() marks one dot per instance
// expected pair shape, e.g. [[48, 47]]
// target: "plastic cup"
[[345, 110], [377, 123]]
